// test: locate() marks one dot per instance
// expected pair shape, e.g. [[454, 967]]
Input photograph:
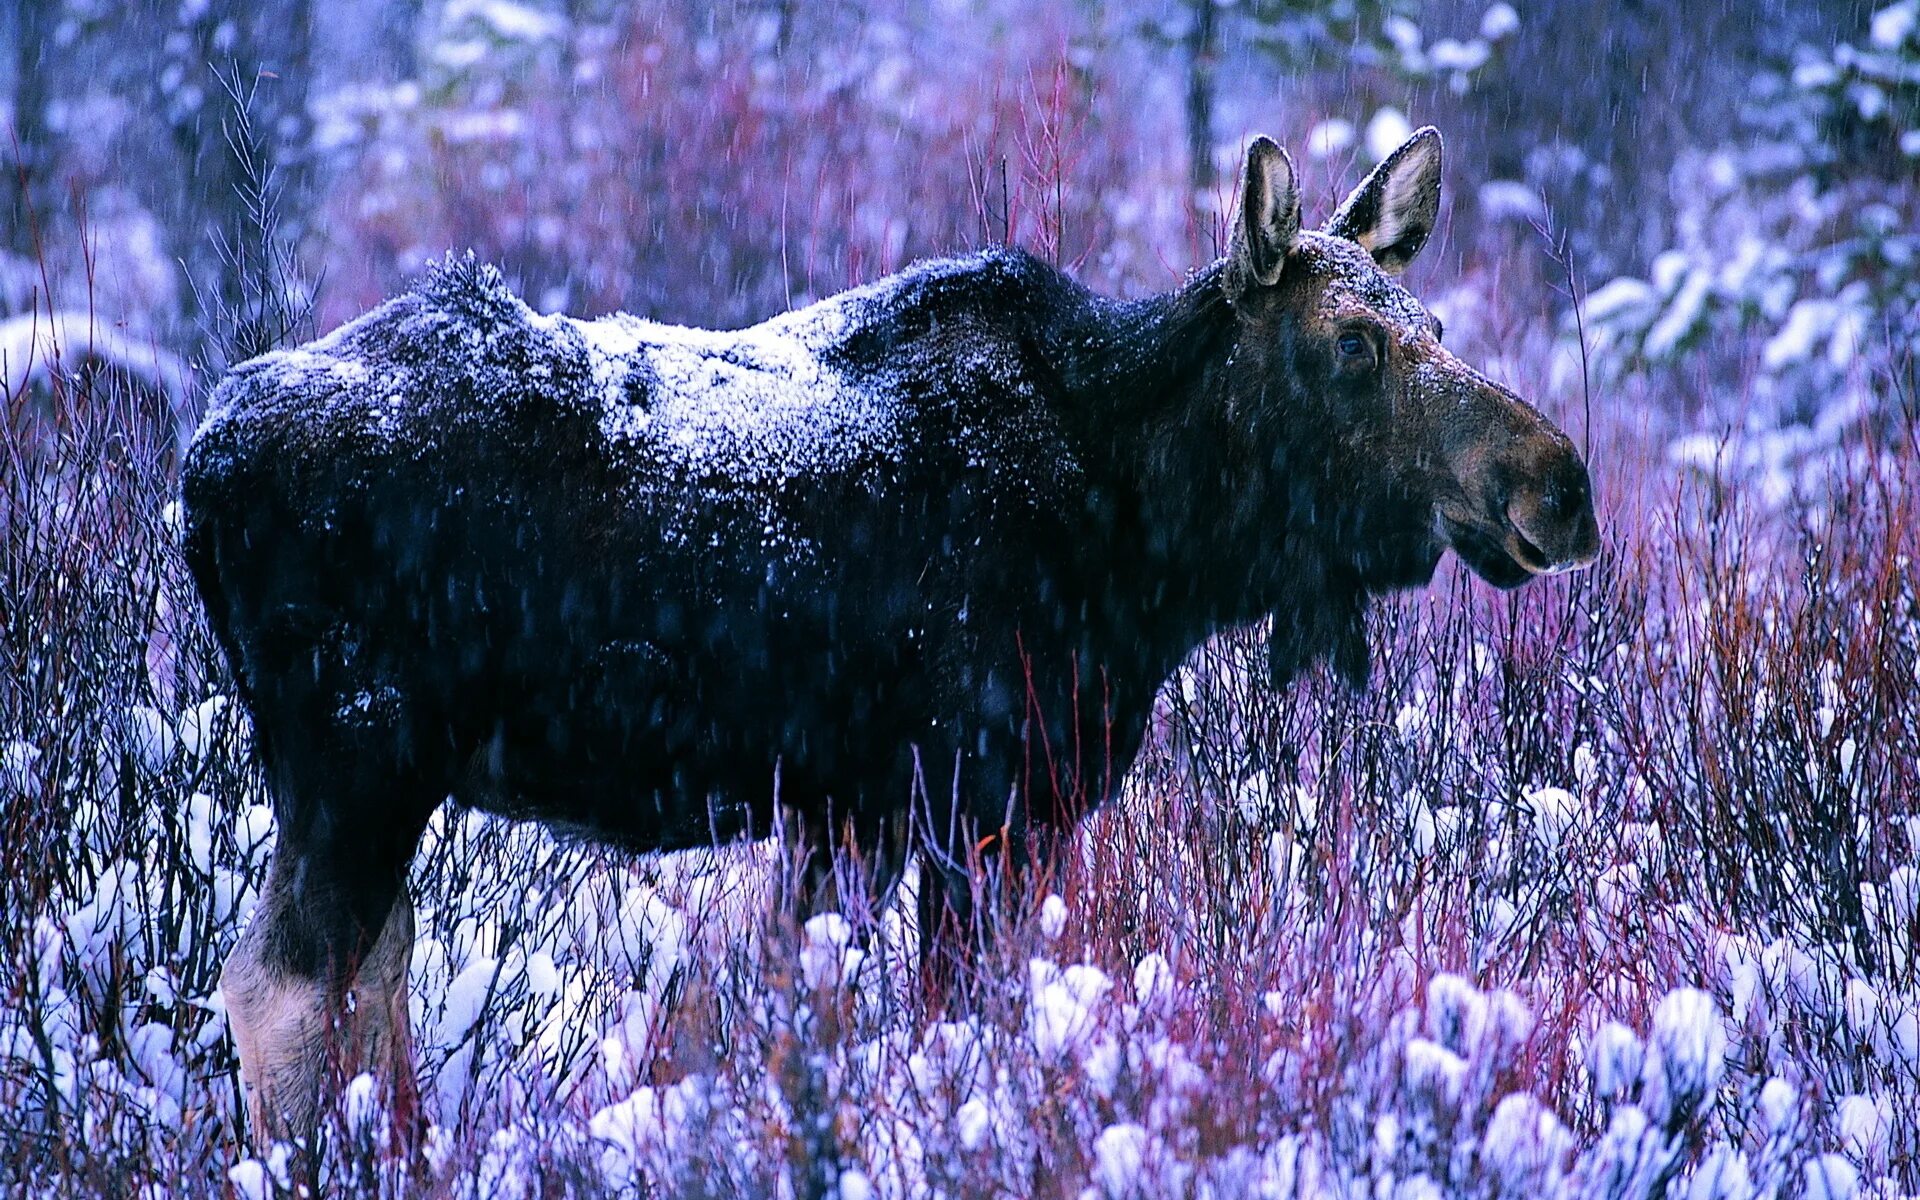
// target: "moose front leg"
[[977, 881], [279, 1016], [850, 864], [315, 990], [376, 1022]]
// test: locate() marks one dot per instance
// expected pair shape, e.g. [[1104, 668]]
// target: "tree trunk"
[[28, 190], [1202, 53]]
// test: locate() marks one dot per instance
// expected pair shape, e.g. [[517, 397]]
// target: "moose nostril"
[[1546, 537], [1564, 495], [1570, 491]]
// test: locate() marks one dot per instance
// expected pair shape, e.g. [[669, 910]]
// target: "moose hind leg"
[[317, 985], [279, 1015], [311, 998]]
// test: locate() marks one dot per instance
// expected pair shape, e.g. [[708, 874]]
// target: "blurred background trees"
[[1743, 173]]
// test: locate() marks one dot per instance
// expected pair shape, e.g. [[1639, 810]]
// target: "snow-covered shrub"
[[716, 168], [1607, 890], [1795, 266]]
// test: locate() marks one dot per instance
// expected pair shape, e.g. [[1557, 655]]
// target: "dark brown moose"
[[901, 571]]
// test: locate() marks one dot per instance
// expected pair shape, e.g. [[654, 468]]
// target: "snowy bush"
[[1796, 266], [1611, 891]]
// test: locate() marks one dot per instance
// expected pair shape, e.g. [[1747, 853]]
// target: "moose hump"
[[694, 423]]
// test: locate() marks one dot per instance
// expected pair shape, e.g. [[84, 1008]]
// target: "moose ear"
[[1393, 211], [1268, 221]]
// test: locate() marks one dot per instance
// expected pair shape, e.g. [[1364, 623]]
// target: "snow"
[[1053, 918], [1435, 1073], [1523, 1143], [1512, 200], [854, 1185], [1807, 322], [1723, 1176], [974, 1121], [151, 737], [1387, 131], [32, 343], [506, 19], [199, 822], [1865, 1126], [828, 956], [1555, 811], [1120, 1160], [1153, 984], [1614, 1058], [1138, 1073], [1066, 1005], [1686, 1054], [1499, 21], [542, 976], [1330, 137], [756, 407], [1682, 316], [17, 759], [1456, 1012], [1617, 296], [366, 1115], [250, 1180], [1450, 54], [1253, 796], [651, 933], [1406, 38], [1894, 24], [1904, 1037], [1830, 1177], [634, 1130], [200, 724]]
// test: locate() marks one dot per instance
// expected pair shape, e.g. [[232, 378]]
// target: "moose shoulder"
[[902, 568]]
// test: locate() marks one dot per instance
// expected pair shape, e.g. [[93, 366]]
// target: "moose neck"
[[1179, 489]]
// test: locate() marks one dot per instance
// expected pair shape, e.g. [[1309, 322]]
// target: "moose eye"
[[1354, 349]]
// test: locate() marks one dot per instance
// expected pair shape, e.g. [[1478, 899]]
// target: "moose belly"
[[665, 747]]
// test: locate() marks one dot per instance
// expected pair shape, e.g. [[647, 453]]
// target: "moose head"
[[1412, 452]]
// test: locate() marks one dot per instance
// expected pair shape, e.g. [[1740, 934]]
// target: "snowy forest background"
[[1609, 888]]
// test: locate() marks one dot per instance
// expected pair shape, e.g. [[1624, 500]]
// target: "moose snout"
[[1551, 527]]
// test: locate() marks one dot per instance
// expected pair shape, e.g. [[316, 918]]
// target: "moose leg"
[[317, 984], [378, 1035], [279, 1019], [975, 878], [312, 995], [947, 932], [851, 866]]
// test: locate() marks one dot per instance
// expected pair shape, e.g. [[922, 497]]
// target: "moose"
[[899, 573]]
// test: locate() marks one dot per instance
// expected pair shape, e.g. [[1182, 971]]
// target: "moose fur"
[[905, 568]]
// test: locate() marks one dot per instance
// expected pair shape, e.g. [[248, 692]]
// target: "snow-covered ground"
[[1612, 891]]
